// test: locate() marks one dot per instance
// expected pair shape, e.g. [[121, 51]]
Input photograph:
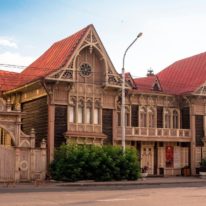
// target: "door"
[[147, 157], [24, 167], [60, 124], [107, 119]]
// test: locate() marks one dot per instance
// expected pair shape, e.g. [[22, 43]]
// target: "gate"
[[147, 157], [7, 163]]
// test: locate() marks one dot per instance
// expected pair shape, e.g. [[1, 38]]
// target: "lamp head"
[[139, 35]]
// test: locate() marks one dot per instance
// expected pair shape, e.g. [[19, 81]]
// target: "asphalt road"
[[191, 194]]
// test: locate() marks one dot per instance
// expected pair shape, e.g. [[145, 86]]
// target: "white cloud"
[[7, 42], [14, 59]]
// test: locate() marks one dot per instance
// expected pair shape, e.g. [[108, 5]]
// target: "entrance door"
[[25, 164], [147, 157], [60, 124], [107, 128]]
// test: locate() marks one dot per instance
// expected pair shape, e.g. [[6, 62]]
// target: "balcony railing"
[[155, 132]]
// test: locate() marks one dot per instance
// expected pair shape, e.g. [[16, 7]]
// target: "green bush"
[[89, 162]]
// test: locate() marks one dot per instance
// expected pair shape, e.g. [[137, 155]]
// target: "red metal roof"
[[185, 75], [145, 84], [50, 61], [54, 58], [8, 80]]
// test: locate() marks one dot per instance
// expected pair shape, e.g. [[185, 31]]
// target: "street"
[[144, 195]]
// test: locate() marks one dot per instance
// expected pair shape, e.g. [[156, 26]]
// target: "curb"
[[139, 183]]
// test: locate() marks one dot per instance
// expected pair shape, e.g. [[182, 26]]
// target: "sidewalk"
[[146, 181], [89, 183]]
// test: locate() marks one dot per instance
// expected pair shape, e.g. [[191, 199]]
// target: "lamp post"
[[123, 94]]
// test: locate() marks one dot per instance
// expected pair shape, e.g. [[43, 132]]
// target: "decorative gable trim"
[[130, 81], [156, 85], [91, 40], [201, 90]]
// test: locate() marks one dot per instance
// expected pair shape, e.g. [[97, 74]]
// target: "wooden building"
[[72, 92]]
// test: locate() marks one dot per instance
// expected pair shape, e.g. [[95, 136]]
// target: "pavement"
[[158, 191], [141, 181], [89, 183]]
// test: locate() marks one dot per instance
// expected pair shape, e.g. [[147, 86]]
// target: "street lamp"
[[123, 94]]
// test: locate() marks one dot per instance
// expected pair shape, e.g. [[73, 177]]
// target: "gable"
[[90, 53], [61, 61], [156, 85], [201, 90]]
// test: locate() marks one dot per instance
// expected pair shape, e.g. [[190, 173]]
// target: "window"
[[89, 112], [151, 117], [72, 111], [119, 118], [134, 116], [127, 116], [175, 119], [97, 113], [5, 138], [167, 119], [81, 112], [143, 117]]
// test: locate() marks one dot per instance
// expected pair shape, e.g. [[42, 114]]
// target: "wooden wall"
[[36, 116]]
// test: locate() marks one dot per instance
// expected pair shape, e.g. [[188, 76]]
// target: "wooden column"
[[51, 118], [193, 144]]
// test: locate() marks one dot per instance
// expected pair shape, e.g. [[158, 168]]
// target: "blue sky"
[[172, 29]]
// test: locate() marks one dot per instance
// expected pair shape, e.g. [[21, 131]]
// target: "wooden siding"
[[134, 116], [36, 116], [107, 126], [159, 117], [199, 130], [60, 124], [7, 163]]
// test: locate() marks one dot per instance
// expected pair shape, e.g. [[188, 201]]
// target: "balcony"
[[155, 134]]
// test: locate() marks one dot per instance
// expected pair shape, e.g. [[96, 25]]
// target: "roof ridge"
[[84, 29], [182, 60]]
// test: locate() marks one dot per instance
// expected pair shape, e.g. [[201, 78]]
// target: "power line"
[[13, 66], [22, 77]]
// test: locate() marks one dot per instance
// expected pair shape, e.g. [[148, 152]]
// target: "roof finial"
[[150, 72]]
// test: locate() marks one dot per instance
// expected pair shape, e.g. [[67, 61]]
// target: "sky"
[[172, 29]]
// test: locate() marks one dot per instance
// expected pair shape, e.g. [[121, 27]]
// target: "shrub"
[[89, 162]]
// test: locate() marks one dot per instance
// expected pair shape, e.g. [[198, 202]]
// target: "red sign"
[[169, 156]]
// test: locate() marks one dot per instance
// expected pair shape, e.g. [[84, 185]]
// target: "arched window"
[[151, 117], [127, 116], [81, 112], [119, 115], [175, 119], [143, 117], [72, 111], [89, 112], [167, 119], [97, 112]]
